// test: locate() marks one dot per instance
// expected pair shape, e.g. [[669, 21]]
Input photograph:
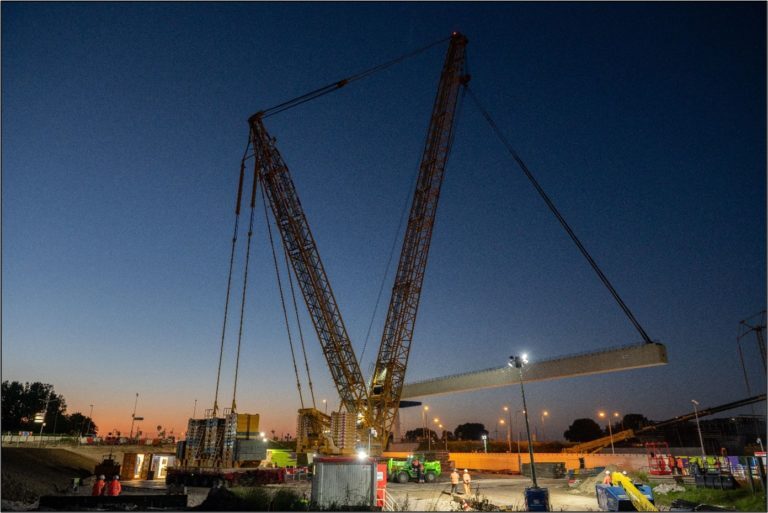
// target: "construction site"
[[380, 447]]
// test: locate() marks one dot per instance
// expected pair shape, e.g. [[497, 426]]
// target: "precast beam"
[[597, 362]]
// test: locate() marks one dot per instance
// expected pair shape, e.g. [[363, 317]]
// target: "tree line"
[[581, 430], [21, 402]]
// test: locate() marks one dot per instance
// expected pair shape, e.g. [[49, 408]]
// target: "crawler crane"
[[374, 409]]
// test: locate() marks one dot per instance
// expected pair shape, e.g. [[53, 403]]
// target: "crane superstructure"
[[375, 408]]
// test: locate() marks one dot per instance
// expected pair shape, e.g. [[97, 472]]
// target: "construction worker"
[[467, 480], [454, 481], [607, 479], [671, 464], [98, 486], [416, 466], [114, 488]]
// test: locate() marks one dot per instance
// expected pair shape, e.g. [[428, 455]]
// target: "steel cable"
[[245, 286], [560, 218], [229, 276], [341, 83], [282, 298]]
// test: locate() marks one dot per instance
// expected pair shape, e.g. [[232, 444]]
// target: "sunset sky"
[[123, 125]]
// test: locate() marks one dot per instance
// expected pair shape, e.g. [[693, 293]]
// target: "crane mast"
[[392, 359], [310, 274]]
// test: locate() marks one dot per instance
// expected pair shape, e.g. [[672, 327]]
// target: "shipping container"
[[344, 482]]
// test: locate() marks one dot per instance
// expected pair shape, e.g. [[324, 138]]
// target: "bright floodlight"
[[694, 401], [525, 358], [361, 454]]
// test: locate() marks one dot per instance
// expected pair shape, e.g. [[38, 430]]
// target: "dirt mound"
[[587, 485], [28, 473]]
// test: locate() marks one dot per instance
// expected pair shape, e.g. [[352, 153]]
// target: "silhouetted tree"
[[470, 431], [633, 421], [583, 430], [415, 435], [20, 403]]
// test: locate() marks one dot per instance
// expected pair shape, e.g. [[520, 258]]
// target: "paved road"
[[500, 490]]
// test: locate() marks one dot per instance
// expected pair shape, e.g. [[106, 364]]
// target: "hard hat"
[[624, 472], [465, 470], [117, 477], [607, 471], [102, 476]]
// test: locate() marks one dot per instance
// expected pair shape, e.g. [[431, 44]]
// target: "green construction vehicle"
[[402, 471]]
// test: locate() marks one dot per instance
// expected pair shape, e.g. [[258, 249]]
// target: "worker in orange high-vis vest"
[[114, 487], [98, 486]]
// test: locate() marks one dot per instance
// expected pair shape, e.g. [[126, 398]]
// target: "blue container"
[[536, 499]]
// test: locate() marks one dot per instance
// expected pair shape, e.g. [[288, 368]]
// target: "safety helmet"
[[465, 470], [117, 477], [607, 471], [102, 476]]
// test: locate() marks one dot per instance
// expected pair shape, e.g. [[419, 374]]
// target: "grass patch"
[[741, 499]]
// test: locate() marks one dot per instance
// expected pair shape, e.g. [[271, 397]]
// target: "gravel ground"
[[500, 490]]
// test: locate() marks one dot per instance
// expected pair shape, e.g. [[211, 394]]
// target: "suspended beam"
[[622, 358]]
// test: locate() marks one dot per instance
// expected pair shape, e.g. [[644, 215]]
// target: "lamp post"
[[698, 427], [610, 431], [437, 422], [485, 443], [133, 415], [42, 420], [502, 422], [424, 422], [325, 404], [518, 362], [519, 458], [544, 415], [509, 428], [445, 436], [90, 419]]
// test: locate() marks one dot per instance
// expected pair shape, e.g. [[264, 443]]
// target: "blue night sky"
[[123, 125]]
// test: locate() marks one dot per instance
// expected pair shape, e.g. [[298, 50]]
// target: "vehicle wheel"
[[430, 477], [403, 477]]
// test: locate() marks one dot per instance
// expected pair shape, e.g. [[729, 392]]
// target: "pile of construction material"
[[555, 470]]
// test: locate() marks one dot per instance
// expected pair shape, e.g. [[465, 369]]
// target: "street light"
[[509, 428], [610, 430], [444, 435], [518, 362], [133, 415], [502, 422], [325, 404], [544, 415], [424, 421], [698, 427]]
